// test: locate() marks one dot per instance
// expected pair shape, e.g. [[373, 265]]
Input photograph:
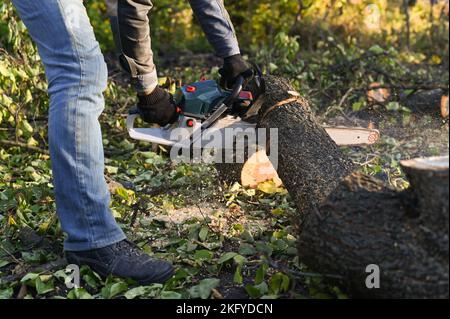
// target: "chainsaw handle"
[[236, 90]]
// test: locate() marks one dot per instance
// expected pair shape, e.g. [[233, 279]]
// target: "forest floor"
[[225, 241]]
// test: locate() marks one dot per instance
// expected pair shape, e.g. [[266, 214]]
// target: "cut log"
[[307, 152], [347, 221], [444, 106], [378, 95], [428, 102], [258, 169]]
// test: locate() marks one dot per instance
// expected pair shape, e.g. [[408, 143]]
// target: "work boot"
[[123, 259]]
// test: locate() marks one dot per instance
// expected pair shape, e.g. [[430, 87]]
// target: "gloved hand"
[[157, 107], [233, 67]]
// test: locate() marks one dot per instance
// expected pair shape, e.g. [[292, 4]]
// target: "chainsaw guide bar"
[[341, 135], [213, 117]]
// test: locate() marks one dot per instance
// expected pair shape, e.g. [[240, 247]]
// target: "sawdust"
[[220, 219]]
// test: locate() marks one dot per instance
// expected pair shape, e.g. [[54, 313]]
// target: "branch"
[[298, 274], [45, 268], [24, 145], [427, 87]]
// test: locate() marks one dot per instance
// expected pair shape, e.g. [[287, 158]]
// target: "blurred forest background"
[[334, 51]]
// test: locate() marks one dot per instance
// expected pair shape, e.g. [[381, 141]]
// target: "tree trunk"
[[347, 221], [309, 162]]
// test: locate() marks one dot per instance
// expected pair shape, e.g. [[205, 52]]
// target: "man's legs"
[[77, 75], [130, 25]]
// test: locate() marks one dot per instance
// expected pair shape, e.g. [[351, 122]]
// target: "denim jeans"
[[130, 24], [77, 75]]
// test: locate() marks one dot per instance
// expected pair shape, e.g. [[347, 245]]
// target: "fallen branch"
[[41, 269], [25, 146], [299, 274], [415, 87]]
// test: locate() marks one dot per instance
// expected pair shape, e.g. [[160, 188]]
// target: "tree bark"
[[306, 151], [347, 221], [365, 223]]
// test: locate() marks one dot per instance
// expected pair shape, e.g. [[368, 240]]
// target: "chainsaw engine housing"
[[201, 99]]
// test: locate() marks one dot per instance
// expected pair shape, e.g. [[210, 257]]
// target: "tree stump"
[[365, 223], [347, 221]]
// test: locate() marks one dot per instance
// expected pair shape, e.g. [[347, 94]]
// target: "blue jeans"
[[130, 25], [77, 75]]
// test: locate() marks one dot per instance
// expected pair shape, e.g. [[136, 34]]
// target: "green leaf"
[[247, 236], [3, 263], [29, 277], [27, 126], [237, 279], [118, 288], [79, 293], [393, 106], [279, 283], [239, 260], [357, 106], [226, 257], [272, 67], [204, 288], [247, 250], [271, 188], [122, 192], [112, 169], [44, 287], [114, 289], [170, 295], [376, 49], [147, 291], [252, 291], [264, 248], [136, 292], [6, 293], [203, 255], [278, 212], [4, 69], [261, 273], [181, 274], [91, 280], [203, 234], [256, 291]]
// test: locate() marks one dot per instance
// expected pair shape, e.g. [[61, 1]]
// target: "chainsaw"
[[205, 106]]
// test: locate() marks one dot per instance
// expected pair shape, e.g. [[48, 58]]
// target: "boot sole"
[[160, 279]]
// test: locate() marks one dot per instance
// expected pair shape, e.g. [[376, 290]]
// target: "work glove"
[[157, 107], [233, 67]]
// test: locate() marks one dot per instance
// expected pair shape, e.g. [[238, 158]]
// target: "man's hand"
[[233, 67], [157, 107]]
